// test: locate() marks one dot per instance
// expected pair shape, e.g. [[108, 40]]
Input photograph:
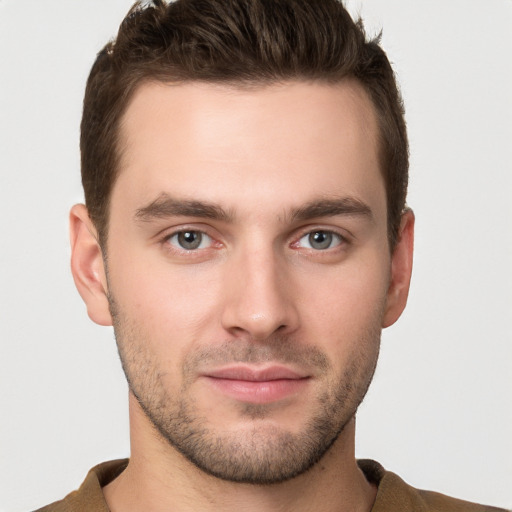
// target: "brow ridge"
[[331, 207], [167, 206]]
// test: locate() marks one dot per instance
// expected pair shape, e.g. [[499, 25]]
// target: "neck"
[[158, 478]]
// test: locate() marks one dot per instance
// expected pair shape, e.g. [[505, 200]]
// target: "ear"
[[87, 265], [401, 269]]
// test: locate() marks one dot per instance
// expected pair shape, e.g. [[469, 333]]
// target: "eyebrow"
[[347, 206], [166, 206]]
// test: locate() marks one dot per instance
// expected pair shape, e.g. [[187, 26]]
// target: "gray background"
[[439, 412]]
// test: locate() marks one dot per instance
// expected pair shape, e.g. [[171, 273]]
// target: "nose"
[[259, 298]]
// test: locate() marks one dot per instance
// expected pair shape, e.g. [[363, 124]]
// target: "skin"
[[258, 292]]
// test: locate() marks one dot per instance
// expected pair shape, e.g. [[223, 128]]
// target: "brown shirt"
[[393, 495]]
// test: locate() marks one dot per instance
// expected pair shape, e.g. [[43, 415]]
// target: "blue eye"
[[321, 240], [190, 240]]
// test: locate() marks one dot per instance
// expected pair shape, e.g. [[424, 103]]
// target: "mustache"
[[280, 350]]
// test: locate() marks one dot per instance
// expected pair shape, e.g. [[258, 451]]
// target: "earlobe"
[[401, 270], [87, 265]]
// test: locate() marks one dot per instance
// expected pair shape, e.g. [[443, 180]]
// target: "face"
[[249, 273]]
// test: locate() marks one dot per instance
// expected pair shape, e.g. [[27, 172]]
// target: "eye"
[[190, 240], [321, 240]]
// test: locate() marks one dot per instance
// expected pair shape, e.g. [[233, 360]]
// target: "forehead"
[[259, 145]]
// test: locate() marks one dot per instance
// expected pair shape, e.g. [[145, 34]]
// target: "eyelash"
[[332, 234], [170, 247], [342, 241]]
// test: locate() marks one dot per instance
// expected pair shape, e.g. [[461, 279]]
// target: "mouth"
[[257, 385]]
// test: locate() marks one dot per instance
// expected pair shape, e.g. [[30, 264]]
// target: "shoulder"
[[89, 497], [395, 495], [439, 502]]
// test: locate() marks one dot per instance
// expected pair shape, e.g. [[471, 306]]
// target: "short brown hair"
[[236, 42]]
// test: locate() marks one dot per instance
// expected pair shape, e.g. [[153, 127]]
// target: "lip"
[[255, 374], [257, 385]]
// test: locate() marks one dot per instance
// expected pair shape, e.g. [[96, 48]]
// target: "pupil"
[[189, 239], [320, 240]]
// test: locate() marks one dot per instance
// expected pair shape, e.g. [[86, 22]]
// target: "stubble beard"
[[265, 454]]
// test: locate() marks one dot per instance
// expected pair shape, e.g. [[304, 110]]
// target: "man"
[[246, 233]]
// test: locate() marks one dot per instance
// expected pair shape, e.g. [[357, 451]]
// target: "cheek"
[[167, 302], [346, 304]]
